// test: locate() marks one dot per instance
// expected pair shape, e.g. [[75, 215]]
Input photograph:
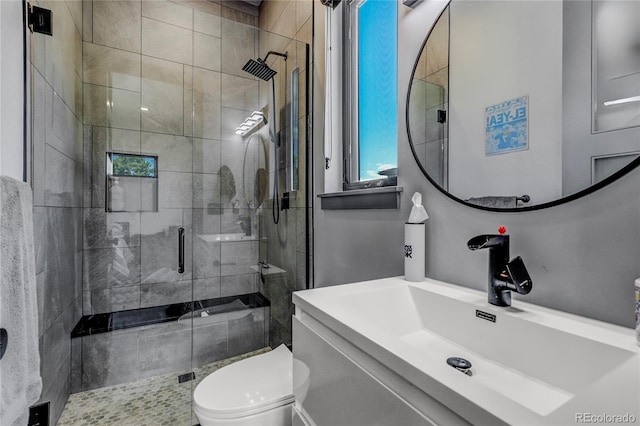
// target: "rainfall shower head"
[[259, 67]]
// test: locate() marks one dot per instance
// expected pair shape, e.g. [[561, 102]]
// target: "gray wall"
[[583, 256]]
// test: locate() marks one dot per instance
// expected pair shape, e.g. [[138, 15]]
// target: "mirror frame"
[[566, 199]]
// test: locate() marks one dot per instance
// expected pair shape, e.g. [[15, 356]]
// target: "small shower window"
[[132, 165], [131, 182]]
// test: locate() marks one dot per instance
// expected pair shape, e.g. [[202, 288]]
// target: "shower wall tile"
[[165, 352], [111, 107], [162, 96], [206, 257], [239, 92], [55, 344], [60, 249], [40, 293], [247, 333], [117, 24], [174, 152], [168, 12], [230, 220], [164, 293], [38, 135], [55, 365], [206, 51], [111, 267], [160, 246], [115, 299], [107, 66], [63, 62], [166, 41], [301, 271], [233, 285], [109, 359], [87, 21], [238, 257], [175, 190], [60, 179], [304, 11], [284, 24], [305, 33], [206, 191], [100, 228], [238, 46], [301, 229], [204, 6], [206, 156], [40, 236], [205, 224], [112, 139], [207, 23], [75, 8], [232, 150], [63, 131], [206, 288], [240, 12], [210, 343], [269, 15], [76, 366], [205, 98]]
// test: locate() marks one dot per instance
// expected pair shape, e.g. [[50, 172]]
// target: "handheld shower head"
[[259, 68]]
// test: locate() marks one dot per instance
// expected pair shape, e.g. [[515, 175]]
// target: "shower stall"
[[170, 193]]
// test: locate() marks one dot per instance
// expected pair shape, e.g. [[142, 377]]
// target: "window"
[[370, 93], [131, 183]]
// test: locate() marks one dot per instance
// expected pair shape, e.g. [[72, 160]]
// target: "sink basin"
[[530, 365]]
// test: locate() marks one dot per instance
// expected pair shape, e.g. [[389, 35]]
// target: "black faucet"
[[505, 275]]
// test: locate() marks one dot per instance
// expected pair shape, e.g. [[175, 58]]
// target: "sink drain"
[[460, 364]]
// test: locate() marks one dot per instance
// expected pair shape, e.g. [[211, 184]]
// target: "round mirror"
[[254, 174], [524, 105]]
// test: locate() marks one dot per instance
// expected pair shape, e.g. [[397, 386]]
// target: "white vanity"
[[377, 353]]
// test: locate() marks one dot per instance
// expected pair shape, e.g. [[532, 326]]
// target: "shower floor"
[[154, 401]]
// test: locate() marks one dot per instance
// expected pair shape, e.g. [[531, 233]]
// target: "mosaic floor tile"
[[154, 401]]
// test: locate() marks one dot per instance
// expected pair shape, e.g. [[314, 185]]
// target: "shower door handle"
[[181, 250]]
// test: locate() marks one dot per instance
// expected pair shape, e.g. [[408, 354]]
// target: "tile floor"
[[154, 401]]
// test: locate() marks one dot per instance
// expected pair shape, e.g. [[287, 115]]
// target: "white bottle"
[[117, 195]]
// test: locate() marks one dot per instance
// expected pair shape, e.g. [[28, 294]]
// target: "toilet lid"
[[247, 387]]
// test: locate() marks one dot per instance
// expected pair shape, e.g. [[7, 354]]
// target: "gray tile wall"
[[285, 246], [128, 355], [157, 81], [57, 158], [155, 75]]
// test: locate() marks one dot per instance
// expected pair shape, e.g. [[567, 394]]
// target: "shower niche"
[[131, 183]]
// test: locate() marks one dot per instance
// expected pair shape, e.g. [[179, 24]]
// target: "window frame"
[[350, 115]]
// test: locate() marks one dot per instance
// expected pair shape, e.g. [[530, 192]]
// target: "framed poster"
[[507, 126]]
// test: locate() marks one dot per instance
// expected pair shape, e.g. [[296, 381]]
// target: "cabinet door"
[[341, 393]]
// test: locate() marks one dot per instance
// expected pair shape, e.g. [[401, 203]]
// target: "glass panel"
[[165, 278], [377, 89], [616, 64]]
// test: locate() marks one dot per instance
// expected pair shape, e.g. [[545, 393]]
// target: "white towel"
[[20, 381]]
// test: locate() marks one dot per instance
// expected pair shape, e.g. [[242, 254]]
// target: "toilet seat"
[[247, 387]]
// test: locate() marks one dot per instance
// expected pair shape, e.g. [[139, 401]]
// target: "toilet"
[[256, 391]]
